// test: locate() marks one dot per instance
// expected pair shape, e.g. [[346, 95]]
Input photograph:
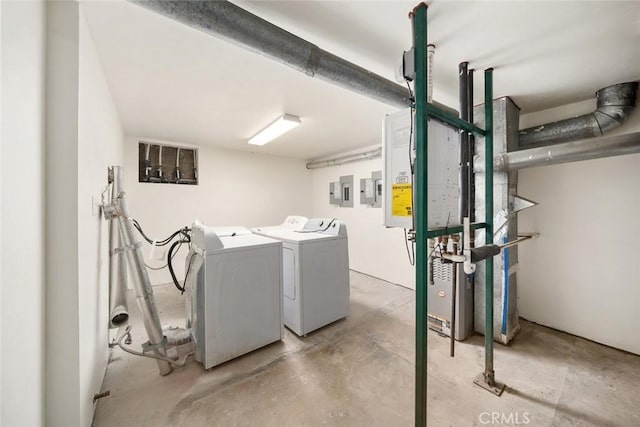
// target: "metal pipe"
[[236, 25], [420, 187], [431, 50], [363, 155], [160, 173], [489, 375], [615, 103], [178, 176], [142, 285], [118, 309], [595, 148], [472, 145], [452, 333], [520, 239], [195, 164], [463, 80], [147, 162]]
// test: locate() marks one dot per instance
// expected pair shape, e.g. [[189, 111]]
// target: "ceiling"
[[171, 82]]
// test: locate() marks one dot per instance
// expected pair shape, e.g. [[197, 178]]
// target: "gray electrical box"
[[335, 193], [341, 192], [346, 182], [443, 169], [371, 190]]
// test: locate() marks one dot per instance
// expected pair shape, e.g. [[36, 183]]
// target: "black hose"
[[184, 283], [163, 242], [169, 264], [186, 238]]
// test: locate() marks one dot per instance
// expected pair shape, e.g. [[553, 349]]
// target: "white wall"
[[582, 275], [235, 188], [1, 181], [22, 194], [373, 249], [62, 345], [84, 137], [100, 141]]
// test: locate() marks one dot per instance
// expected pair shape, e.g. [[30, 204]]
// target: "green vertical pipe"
[[420, 189], [489, 376]]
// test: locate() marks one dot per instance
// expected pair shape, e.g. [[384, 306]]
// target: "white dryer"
[[316, 273], [234, 292]]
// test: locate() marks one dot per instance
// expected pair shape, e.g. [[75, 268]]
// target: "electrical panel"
[[371, 190], [341, 192], [443, 162]]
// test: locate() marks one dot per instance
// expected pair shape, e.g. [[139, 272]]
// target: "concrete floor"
[[359, 372]]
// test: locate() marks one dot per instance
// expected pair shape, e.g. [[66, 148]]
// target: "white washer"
[[316, 273], [292, 222], [234, 292]]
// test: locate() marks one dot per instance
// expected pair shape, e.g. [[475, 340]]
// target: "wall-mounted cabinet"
[[167, 164]]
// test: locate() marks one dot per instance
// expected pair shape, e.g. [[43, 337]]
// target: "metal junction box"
[[371, 190]]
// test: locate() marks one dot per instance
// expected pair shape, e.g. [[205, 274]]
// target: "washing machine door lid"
[[209, 238]]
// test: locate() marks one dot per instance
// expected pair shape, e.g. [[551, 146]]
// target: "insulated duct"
[[118, 310], [593, 148], [615, 103], [236, 25], [350, 158]]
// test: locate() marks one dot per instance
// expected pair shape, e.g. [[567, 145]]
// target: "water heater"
[[443, 169]]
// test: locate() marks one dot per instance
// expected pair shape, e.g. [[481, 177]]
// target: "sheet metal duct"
[[506, 322], [236, 25], [364, 155], [141, 283], [118, 310], [594, 148], [615, 103]]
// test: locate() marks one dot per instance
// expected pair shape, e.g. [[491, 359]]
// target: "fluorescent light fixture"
[[281, 126]]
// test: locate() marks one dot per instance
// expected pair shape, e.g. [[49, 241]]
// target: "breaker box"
[[443, 170], [341, 192]]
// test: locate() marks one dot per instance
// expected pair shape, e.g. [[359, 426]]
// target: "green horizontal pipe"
[[454, 121], [437, 232]]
